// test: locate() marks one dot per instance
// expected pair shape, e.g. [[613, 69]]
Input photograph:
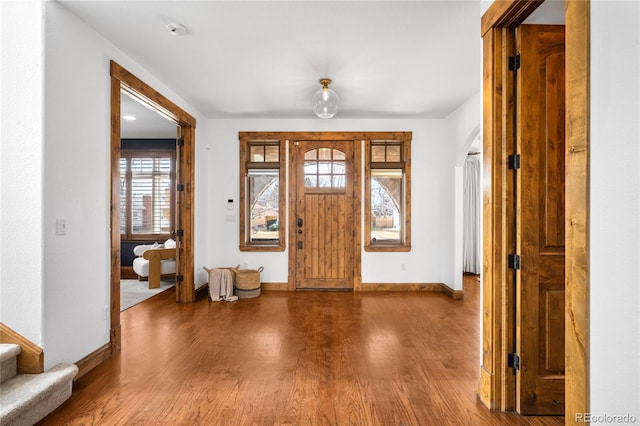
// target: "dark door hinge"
[[180, 142], [179, 278], [513, 361], [179, 232], [514, 261], [180, 187], [514, 62], [514, 162]]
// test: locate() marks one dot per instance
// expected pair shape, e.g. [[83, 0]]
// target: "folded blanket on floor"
[[221, 284]]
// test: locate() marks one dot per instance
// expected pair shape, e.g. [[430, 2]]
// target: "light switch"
[[230, 204], [61, 227]]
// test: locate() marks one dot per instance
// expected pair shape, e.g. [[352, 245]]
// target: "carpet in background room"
[[133, 292]]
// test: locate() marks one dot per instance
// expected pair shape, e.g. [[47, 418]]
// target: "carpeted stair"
[[26, 399]]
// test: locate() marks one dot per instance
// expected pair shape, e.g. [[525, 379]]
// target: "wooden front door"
[[323, 217], [541, 222]]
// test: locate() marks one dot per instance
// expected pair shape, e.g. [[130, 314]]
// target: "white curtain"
[[471, 215]]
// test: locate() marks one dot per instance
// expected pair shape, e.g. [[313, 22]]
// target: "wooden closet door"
[[541, 138]]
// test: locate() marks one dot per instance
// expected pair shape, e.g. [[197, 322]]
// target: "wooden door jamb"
[[494, 389], [121, 78]]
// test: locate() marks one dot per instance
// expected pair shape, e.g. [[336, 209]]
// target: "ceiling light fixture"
[[176, 29], [129, 117], [325, 101]]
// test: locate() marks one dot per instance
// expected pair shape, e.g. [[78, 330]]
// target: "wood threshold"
[[31, 358]]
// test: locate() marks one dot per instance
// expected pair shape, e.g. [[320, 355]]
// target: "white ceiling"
[[148, 124], [263, 59]]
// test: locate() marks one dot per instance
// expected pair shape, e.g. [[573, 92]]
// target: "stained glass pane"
[[338, 155], [311, 155]]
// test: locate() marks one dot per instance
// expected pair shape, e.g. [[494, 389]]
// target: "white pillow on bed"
[[169, 244]]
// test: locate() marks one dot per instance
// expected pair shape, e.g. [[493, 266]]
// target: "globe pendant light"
[[325, 101]]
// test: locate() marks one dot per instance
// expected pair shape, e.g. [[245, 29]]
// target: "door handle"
[[299, 245]]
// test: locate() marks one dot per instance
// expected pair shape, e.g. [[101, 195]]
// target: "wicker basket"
[[247, 279], [247, 283], [246, 294]]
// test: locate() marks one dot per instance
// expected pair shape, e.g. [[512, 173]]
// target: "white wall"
[[432, 201], [77, 183], [462, 127], [615, 209], [21, 173]]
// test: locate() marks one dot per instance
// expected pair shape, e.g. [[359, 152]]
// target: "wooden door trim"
[[148, 94], [121, 78], [577, 27], [495, 390], [507, 14], [496, 387]]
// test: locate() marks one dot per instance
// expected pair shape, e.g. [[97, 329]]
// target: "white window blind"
[[146, 194]]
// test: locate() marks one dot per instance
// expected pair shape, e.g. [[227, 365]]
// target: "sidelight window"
[[387, 195], [262, 196]]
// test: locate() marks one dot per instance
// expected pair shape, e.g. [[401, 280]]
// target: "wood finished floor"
[[293, 358]]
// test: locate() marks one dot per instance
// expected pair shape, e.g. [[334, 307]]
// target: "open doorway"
[[121, 79], [147, 200], [472, 209]]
